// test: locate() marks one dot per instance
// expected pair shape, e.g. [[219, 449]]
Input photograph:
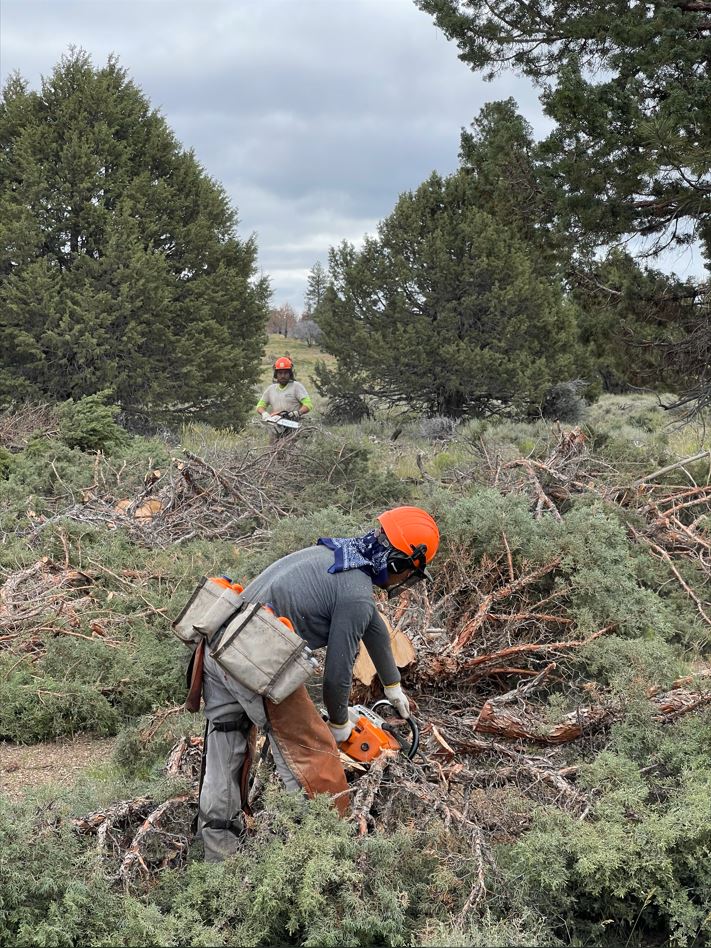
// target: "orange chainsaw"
[[372, 734]]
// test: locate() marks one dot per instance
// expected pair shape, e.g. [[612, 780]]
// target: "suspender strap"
[[194, 678]]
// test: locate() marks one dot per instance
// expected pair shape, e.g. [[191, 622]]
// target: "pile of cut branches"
[[49, 599], [138, 838], [19, 426], [675, 516], [493, 638], [230, 495]]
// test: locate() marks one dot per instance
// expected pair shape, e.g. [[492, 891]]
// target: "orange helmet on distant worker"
[[284, 364], [412, 533]]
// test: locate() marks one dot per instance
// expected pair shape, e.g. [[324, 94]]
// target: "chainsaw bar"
[[284, 422]]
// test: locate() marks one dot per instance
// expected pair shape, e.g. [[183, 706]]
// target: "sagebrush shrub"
[[437, 428]]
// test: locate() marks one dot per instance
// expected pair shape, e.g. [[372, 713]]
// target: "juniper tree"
[[444, 311], [120, 266], [628, 86], [512, 183], [632, 320], [316, 284]]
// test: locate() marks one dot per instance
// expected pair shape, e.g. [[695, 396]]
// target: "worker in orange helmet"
[[285, 397], [326, 590]]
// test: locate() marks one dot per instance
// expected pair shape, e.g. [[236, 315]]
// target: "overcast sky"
[[314, 114]]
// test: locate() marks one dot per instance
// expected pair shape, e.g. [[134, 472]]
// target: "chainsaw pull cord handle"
[[412, 724]]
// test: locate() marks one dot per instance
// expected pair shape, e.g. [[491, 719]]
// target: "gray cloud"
[[314, 114]]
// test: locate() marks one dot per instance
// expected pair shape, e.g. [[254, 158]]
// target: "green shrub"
[[6, 459], [302, 878], [90, 424], [437, 428], [345, 472], [48, 894], [141, 750], [478, 521], [305, 879], [637, 871], [619, 662], [563, 402], [37, 707], [44, 474]]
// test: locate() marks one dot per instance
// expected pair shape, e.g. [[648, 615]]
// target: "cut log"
[[403, 652]]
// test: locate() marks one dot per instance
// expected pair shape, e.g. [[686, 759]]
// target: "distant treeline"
[[121, 271]]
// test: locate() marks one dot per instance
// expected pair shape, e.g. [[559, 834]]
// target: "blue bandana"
[[366, 553]]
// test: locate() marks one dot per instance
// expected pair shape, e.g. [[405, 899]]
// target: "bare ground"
[[27, 767]]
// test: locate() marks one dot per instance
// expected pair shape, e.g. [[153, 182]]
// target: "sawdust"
[[24, 768]]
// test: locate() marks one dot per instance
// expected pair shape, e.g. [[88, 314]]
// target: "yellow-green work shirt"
[[289, 397]]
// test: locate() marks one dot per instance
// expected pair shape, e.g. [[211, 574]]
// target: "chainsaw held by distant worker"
[[280, 421], [372, 733]]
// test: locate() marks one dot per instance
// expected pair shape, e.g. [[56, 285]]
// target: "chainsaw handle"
[[412, 724]]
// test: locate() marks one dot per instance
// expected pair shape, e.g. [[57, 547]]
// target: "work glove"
[[398, 699], [292, 415], [341, 732], [265, 418]]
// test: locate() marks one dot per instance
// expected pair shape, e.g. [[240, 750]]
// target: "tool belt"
[[252, 645], [210, 606]]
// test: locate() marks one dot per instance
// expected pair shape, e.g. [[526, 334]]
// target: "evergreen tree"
[[628, 87], [444, 310], [120, 267], [511, 183], [317, 282], [632, 320]]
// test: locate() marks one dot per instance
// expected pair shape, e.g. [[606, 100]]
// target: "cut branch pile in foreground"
[[491, 638]]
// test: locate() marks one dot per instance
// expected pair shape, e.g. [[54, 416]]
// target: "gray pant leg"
[[220, 798], [227, 700]]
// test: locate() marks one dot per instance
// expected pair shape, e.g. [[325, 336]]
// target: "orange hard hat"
[[283, 363], [409, 528]]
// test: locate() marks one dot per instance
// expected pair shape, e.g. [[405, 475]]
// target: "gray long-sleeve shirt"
[[335, 610]]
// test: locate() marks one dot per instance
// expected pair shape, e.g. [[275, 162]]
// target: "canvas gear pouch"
[[204, 597], [221, 611], [263, 654]]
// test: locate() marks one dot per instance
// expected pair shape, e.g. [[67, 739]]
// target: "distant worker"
[[285, 396]]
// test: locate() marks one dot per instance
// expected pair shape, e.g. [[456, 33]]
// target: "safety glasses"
[[416, 562]]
